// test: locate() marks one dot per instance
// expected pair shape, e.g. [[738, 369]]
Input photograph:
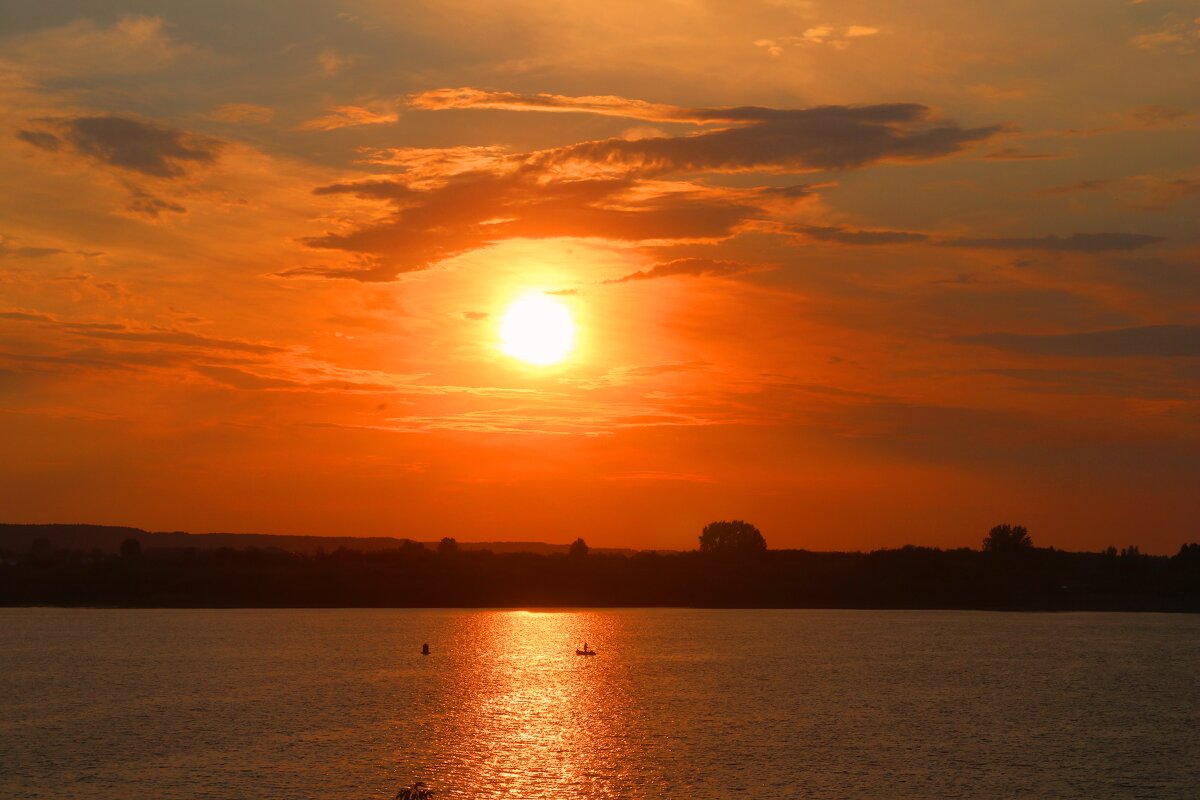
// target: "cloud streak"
[[1105, 242], [349, 116], [688, 266], [1161, 341]]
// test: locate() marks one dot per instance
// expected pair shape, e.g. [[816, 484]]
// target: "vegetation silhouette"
[[448, 546], [1007, 540], [732, 538], [417, 791], [578, 549], [721, 576]]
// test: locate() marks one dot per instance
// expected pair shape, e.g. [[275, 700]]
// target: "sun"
[[537, 329]]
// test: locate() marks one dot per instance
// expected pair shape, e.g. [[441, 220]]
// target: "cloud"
[[477, 209], [1154, 115], [1017, 154], [436, 162], [9, 248], [1167, 341], [759, 139], [332, 62], [120, 332], [241, 379], [244, 112], [83, 48], [145, 204], [638, 477], [476, 316], [1159, 193], [1078, 187], [40, 139], [859, 237], [1142, 192], [664, 369], [608, 105], [126, 143], [349, 116], [85, 283], [1075, 243], [836, 37], [367, 274], [773, 48], [773, 140], [688, 266], [453, 201], [1106, 384], [1180, 36]]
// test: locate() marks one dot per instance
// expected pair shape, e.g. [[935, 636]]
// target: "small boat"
[[424, 649], [585, 652]]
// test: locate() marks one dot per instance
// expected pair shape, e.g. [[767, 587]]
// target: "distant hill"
[[18, 538]]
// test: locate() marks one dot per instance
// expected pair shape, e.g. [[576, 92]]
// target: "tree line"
[[731, 567]]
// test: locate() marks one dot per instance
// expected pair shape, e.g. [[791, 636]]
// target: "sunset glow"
[[846, 270]]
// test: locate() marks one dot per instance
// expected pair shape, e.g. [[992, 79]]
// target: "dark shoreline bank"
[[414, 576]]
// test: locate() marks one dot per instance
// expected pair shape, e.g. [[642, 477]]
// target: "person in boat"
[[585, 647], [425, 649]]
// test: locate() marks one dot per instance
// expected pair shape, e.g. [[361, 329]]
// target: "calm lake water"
[[678, 703]]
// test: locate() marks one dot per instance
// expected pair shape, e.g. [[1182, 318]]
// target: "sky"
[[862, 273]]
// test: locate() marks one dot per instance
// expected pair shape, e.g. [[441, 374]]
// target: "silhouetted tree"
[[131, 548], [578, 548], [448, 546], [735, 537], [1007, 539]]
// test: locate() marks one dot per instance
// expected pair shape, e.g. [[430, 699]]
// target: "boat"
[[579, 652]]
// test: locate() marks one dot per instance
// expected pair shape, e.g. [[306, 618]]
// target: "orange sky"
[[863, 273]]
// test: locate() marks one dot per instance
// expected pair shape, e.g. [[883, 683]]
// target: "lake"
[[678, 703]]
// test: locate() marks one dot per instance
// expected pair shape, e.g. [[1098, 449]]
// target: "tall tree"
[[732, 537], [1007, 539]]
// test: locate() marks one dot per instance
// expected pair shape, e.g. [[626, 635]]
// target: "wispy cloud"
[[838, 37], [688, 266], [12, 248], [244, 112], [1166, 341], [842, 235], [85, 48], [609, 105], [350, 116], [1075, 243]]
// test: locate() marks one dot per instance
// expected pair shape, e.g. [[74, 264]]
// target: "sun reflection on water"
[[536, 717]]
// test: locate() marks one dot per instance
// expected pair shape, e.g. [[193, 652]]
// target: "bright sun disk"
[[537, 329]]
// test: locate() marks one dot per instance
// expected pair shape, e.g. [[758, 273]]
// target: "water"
[[678, 703]]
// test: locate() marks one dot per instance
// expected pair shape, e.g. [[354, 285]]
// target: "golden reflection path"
[[538, 720]]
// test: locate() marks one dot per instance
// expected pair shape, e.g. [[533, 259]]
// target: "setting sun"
[[537, 329]]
